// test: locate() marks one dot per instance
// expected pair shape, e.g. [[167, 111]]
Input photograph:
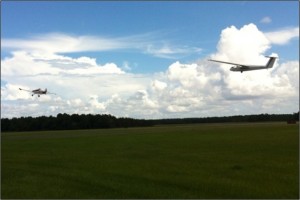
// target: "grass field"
[[183, 161]]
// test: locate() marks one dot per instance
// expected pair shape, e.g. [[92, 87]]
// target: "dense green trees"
[[75, 121], [69, 122], [233, 119]]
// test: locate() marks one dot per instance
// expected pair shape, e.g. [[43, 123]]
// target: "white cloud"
[[283, 36], [159, 85], [68, 77], [100, 106], [171, 52], [248, 45], [62, 43], [242, 45], [54, 43], [190, 75], [29, 64], [266, 20], [12, 92], [194, 89]]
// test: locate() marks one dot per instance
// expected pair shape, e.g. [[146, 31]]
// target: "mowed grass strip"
[[188, 161]]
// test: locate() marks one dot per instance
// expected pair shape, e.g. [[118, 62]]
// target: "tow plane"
[[38, 92], [241, 67]]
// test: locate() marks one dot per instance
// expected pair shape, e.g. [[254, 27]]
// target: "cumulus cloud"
[[194, 89], [68, 77], [159, 85], [248, 45], [29, 64], [242, 45]]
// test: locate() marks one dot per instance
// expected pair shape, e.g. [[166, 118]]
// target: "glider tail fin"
[[271, 62]]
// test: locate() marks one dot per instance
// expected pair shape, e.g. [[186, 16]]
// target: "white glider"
[[242, 67]]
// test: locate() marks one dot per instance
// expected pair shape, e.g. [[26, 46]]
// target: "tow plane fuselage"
[[38, 92]]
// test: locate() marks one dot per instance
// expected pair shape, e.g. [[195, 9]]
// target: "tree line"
[[234, 119], [69, 122], [89, 121]]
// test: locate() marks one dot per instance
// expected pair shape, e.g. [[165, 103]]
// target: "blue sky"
[[155, 51], [192, 24]]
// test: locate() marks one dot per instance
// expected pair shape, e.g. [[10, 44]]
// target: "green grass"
[[188, 161]]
